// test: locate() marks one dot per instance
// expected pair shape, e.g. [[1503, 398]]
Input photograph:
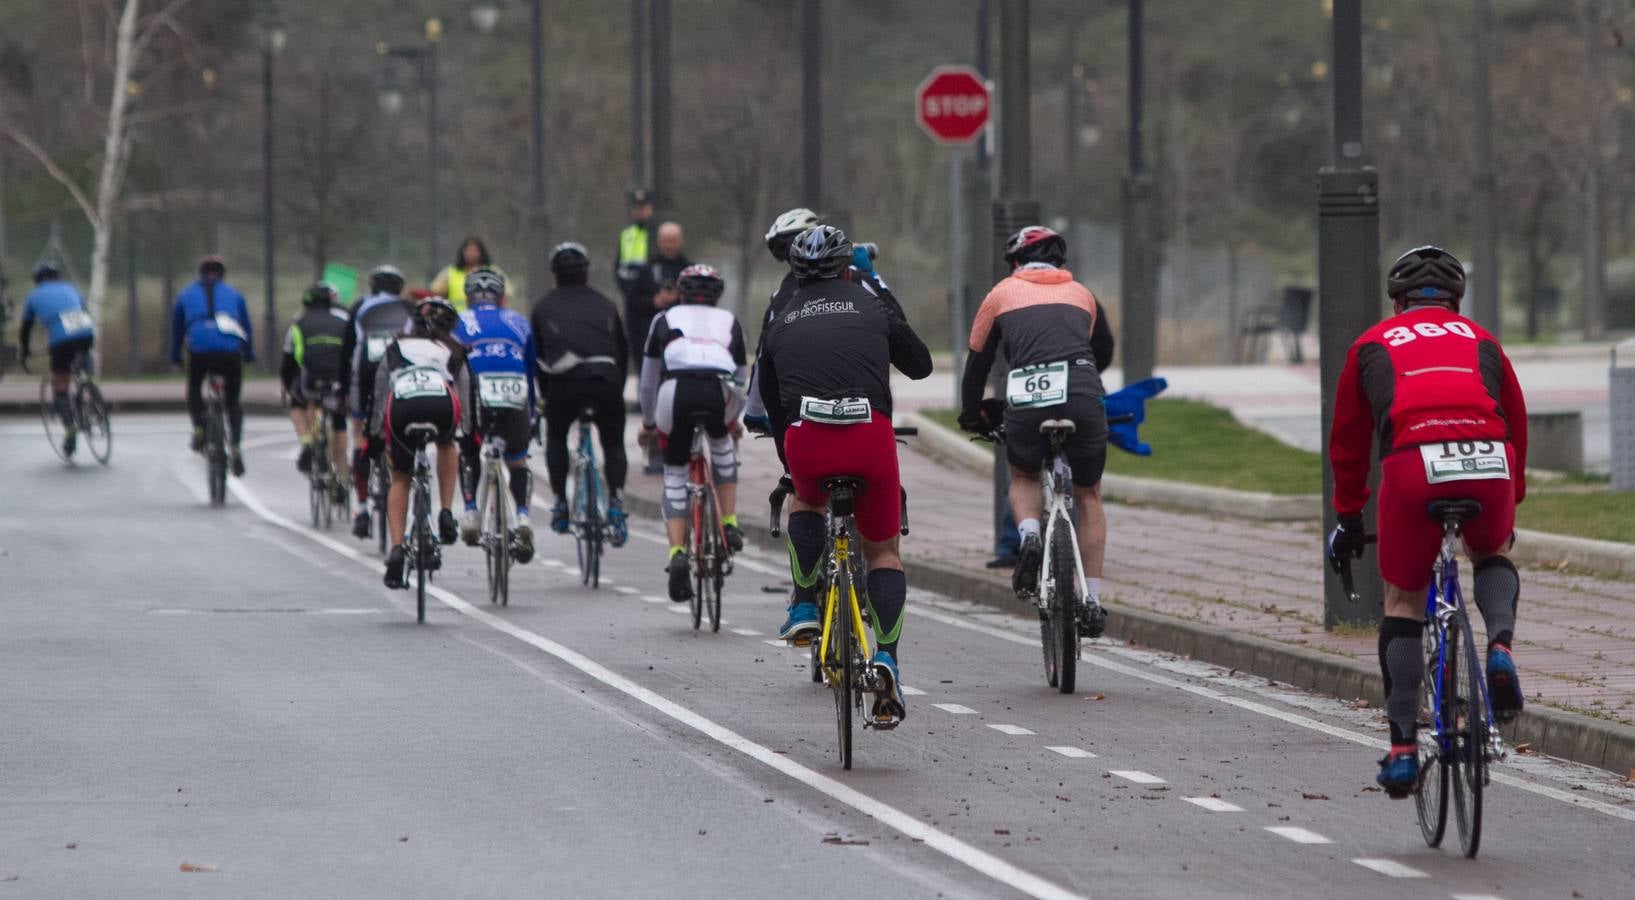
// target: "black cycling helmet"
[[385, 279], [485, 285], [822, 251], [321, 294], [46, 272], [569, 258], [1036, 244], [212, 266], [701, 284], [1426, 273], [437, 315]]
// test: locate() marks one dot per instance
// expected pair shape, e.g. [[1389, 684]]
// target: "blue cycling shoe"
[[802, 624], [1399, 773], [1503, 687], [618, 530], [559, 517], [889, 707]]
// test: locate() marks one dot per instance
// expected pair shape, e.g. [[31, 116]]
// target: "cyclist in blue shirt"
[[212, 320], [502, 355], [69, 333]]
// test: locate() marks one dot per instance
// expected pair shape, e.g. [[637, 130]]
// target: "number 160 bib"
[[1034, 386]]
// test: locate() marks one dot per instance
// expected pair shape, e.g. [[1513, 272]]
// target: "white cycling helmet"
[[791, 223]]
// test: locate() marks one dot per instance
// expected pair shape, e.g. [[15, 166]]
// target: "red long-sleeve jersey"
[[1423, 376]]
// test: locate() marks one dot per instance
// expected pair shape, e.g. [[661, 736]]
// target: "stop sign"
[[952, 104]]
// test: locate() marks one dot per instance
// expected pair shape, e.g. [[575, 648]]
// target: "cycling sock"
[[1093, 587], [360, 478], [1027, 527], [306, 439], [888, 592], [522, 488], [1402, 662], [805, 550], [731, 520], [1498, 589], [676, 551]]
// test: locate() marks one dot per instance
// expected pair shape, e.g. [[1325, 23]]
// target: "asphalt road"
[[229, 690]]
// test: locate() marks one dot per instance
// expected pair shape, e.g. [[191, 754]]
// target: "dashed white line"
[[776, 643], [1477, 897], [553, 563], [746, 632], [624, 589], [1213, 804], [955, 708], [1072, 752], [1136, 775], [681, 610], [650, 598], [1298, 835], [1392, 868], [1014, 730], [912, 691]]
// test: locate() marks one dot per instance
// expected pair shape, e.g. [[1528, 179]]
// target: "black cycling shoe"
[[1093, 620], [303, 463], [360, 525], [735, 538], [235, 459], [1025, 580], [681, 578], [394, 568], [448, 530], [197, 443]]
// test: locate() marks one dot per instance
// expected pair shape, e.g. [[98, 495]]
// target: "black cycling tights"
[[230, 366], [563, 402]]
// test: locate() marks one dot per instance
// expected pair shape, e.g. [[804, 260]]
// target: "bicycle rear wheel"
[[417, 547], [215, 443], [95, 425], [841, 656], [1062, 607], [695, 518], [1470, 743], [379, 483], [54, 429], [1431, 794], [496, 545]]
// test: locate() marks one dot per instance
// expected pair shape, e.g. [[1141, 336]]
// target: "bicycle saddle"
[[416, 429], [1065, 426], [1458, 510], [843, 483]]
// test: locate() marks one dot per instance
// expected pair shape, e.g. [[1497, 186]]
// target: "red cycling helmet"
[[1036, 243]]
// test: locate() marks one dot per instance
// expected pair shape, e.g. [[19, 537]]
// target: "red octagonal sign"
[[952, 104]]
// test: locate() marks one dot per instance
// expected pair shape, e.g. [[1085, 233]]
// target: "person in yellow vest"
[[451, 282], [633, 275]]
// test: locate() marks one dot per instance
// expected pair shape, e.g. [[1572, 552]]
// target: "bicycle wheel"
[[841, 654], [495, 543], [695, 520], [54, 430], [1470, 743], [1063, 608], [95, 424], [215, 443], [1431, 794], [379, 481], [417, 547]]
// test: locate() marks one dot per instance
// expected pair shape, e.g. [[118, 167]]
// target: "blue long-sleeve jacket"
[[501, 341], [228, 331], [59, 306]]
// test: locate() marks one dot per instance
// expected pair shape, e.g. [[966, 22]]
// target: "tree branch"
[[51, 168], [165, 17]]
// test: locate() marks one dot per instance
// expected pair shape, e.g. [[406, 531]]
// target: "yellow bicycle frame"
[[831, 609]]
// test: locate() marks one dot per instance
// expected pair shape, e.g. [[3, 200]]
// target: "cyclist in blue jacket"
[[212, 320], [502, 355], [69, 333]]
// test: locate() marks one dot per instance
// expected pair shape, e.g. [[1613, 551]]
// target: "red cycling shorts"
[[814, 451], [1409, 540]]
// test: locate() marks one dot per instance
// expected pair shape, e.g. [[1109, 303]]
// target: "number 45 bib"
[[1034, 386]]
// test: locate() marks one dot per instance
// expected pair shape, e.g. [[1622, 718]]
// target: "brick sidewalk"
[[1575, 636]]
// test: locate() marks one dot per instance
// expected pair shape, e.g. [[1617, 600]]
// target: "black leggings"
[[564, 400], [230, 366]]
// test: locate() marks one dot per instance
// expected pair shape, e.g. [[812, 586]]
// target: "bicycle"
[[422, 550], [380, 483], [710, 558], [326, 490], [215, 438], [842, 653], [86, 407], [588, 509], [497, 517], [1455, 746]]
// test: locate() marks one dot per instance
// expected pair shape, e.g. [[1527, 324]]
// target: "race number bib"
[[503, 391], [419, 381], [374, 346], [1464, 461], [75, 321], [846, 411], [1031, 387], [226, 324]]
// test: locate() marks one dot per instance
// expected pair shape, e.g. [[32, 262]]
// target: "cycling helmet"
[[46, 272], [212, 265], [320, 294], [823, 251], [485, 284], [385, 279], [785, 227], [437, 315], [1426, 273], [1036, 244], [569, 258], [700, 284]]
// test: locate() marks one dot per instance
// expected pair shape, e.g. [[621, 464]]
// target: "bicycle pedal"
[[799, 641], [885, 724]]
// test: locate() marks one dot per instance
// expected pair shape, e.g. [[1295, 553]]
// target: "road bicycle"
[[843, 653], [711, 560], [380, 483], [497, 514], [1458, 737], [587, 513], [422, 550], [327, 491], [215, 437], [87, 409]]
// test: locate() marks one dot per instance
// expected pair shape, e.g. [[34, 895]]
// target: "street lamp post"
[[424, 60], [811, 103], [659, 103], [270, 34], [485, 16], [1138, 279]]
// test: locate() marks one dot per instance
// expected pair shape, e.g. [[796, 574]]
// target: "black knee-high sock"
[[1402, 662], [805, 551], [888, 594], [1498, 589]]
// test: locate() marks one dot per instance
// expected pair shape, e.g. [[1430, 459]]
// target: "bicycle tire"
[[841, 653], [497, 546], [54, 430], [1431, 794], [417, 548], [96, 425], [215, 444], [715, 558], [593, 529], [1064, 607], [379, 478], [1470, 745], [695, 521]]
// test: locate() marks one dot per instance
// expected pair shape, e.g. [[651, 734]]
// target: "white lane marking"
[[1014, 730], [1072, 752], [1307, 722], [1392, 868], [343, 611], [1213, 804], [1477, 897], [955, 708], [746, 632], [623, 588], [652, 598], [554, 563], [266, 440], [1136, 775], [603, 579], [775, 643], [683, 610], [1298, 835], [912, 691], [966, 854]]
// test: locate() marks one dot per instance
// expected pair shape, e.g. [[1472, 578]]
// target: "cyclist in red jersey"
[[1439, 393]]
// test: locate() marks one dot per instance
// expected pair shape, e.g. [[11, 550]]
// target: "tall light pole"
[[811, 104], [659, 54], [485, 16], [1348, 275], [1138, 269], [424, 60], [638, 95], [270, 35], [1485, 240]]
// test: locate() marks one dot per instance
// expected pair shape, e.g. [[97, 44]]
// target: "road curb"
[[1579, 738]]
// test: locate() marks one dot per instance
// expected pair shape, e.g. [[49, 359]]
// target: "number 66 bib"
[[1031, 387]]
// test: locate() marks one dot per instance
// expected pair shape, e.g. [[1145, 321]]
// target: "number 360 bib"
[[1034, 386]]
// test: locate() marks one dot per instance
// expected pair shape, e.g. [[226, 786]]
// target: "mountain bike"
[[86, 407], [710, 558], [497, 516], [1457, 734], [422, 550], [215, 437], [588, 507]]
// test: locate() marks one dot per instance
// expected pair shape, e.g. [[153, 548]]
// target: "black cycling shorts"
[[1026, 447], [509, 425], [305, 391], [439, 412], [694, 396], [62, 355]]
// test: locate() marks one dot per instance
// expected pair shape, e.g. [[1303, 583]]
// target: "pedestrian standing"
[[632, 272]]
